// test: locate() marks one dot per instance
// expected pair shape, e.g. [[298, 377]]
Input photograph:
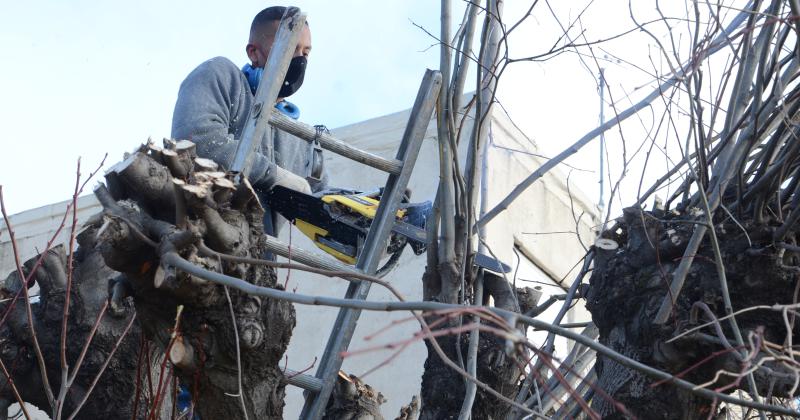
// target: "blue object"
[[253, 75], [289, 109], [185, 402], [417, 214], [291, 82]]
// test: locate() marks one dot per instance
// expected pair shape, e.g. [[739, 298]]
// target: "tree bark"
[[443, 389], [112, 397], [628, 286], [160, 201]]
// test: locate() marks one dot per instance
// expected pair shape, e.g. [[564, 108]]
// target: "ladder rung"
[[328, 142], [301, 380], [308, 258]]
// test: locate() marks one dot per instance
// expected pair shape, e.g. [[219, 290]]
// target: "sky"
[[82, 79]]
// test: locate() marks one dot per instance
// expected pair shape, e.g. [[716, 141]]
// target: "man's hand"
[[290, 180], [275, 175]]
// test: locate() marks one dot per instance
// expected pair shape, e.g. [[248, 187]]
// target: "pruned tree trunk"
[[628, 286], [352, 399], [219, 343], [113, 395], [443, 388], [211, 217]]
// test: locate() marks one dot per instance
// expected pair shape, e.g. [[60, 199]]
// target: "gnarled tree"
[[219, 343]]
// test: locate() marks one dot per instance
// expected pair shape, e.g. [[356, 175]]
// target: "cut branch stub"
[[528, 298], [203, 164], [352, 398], [182, 354], [52, 273], [604, 250], [222, 190], [119, 290], [179, 157], [245, 197], [121, 249], [148, 183], [225, 237]]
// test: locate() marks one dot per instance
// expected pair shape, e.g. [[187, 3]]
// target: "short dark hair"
[[268, 15]]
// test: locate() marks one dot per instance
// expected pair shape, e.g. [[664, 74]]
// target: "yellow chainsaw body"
[[362, 205], [314, 232]]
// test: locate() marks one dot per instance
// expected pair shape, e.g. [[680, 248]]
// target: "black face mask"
[[294, 77]]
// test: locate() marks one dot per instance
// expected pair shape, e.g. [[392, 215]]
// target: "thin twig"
[[719, 43], [238, 354], [14, 390], [64, 387], [222, 279], [103, 368], [24, 286]]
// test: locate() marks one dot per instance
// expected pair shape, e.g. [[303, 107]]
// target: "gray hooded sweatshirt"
[[212, 108]]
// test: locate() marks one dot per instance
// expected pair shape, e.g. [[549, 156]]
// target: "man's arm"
[[212, 105]]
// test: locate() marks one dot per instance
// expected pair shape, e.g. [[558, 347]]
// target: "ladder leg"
[[377, 237]]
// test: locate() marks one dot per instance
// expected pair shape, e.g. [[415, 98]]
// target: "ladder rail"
[[378, 235], [277, 65]]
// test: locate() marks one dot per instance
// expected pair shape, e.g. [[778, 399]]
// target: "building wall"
[[34, 228]]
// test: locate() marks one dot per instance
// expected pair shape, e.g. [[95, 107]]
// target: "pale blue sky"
[[82, 78]]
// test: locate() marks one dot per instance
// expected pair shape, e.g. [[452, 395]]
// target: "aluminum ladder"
[[263, 116]]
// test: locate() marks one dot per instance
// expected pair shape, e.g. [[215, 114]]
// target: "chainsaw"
[[338, 220]]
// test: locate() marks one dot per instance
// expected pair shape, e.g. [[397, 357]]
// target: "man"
[[216, 98]]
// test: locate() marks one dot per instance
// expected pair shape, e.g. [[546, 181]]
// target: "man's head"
[[262, 34]]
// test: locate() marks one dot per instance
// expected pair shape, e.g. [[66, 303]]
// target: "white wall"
[[34, 228]]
